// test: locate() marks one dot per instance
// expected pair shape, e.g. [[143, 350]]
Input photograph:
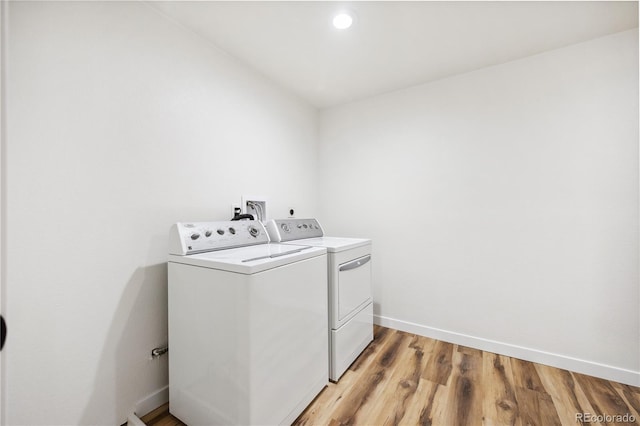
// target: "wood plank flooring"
[[161, 417], [404, 379]]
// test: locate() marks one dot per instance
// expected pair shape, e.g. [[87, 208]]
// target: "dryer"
[[247, 325], [349, 284]]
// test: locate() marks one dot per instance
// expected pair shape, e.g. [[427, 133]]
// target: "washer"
[[349, 283], [248, 325]]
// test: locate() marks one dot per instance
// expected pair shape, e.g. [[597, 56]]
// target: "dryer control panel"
[[198, 237], [293, 229]]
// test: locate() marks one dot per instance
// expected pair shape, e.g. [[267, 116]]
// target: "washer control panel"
[[198, 237], [293, 229]]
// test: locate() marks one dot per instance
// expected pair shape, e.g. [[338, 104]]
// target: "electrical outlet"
[[236, 208]]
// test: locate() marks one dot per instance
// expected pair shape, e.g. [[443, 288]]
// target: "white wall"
[[120, 123], [3, 35], [503, 205]]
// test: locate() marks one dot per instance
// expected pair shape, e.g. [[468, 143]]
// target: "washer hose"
[[242, 216]]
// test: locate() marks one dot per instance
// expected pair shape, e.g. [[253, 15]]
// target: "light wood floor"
[[406, 379]]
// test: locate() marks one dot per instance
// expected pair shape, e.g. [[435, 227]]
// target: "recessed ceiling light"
[[342, 21]]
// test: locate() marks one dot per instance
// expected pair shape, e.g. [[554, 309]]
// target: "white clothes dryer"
[[349, 283], [247, 325]]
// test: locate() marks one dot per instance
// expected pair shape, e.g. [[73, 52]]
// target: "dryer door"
[[354, 286]]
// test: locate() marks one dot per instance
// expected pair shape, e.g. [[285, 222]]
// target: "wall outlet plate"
[[233, 209]]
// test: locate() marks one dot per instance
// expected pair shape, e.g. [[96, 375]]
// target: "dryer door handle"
[[355, 264]]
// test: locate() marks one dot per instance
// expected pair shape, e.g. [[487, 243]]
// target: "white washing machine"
[[349, 283], [247, 325]]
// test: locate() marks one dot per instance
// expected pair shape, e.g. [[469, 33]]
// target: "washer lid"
[[334, 244], [252, 259]]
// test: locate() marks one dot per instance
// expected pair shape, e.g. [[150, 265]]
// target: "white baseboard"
[[528, 354], [134, 420], [151, 402]]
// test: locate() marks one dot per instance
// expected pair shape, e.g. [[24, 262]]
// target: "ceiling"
[[392, 44]]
